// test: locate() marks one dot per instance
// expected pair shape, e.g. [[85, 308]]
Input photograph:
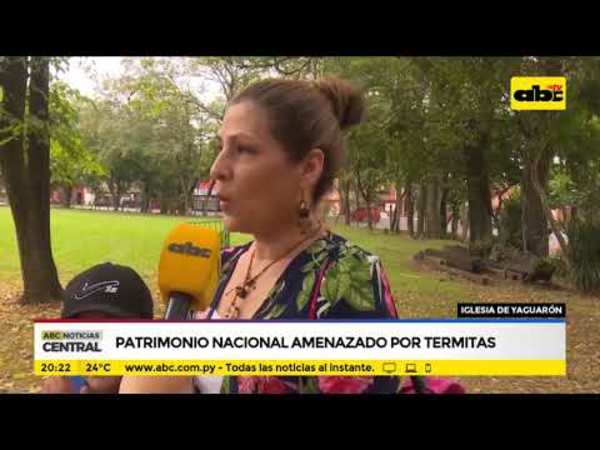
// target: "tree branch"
[[547, 211]]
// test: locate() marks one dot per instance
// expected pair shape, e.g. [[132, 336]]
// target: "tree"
[[71, 164], [548, 135], [150, 133], [366, 148], [25, 163], [471, 95], [230, 74]]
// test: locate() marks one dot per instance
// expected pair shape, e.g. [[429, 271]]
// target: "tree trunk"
[[479, 195], [421, 202], [144, 200], [535, 223], [394, 217], [28, 179], [68, 193], [464, 217], [114, 194], [432, 213], [410, 210], [539, 179], [188, 191], [346, 200], [369, 215], [121, 190], [366, 195], [395, 214], [444, 213], [536, 214], [455, 219], [400, 195], [164, 205]]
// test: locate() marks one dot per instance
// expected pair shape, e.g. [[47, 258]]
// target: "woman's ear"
[[312, 168]]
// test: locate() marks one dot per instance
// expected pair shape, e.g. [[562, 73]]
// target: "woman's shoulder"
[[342, 249], [349, 259], [354, 284]]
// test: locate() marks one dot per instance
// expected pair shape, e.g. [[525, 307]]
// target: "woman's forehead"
[[244, 121]]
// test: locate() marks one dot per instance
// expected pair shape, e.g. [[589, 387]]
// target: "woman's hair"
[[306, 115]]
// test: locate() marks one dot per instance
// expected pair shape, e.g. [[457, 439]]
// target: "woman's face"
[[257, 184]]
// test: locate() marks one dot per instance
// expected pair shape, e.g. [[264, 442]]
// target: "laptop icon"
[[389, 367], [411, 368]]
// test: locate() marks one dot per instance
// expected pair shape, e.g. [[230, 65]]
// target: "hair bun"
[[346, 100]]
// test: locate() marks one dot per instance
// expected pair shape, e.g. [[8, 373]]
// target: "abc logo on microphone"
[[190, 249]]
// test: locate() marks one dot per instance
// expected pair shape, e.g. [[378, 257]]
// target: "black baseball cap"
[[110, 289]]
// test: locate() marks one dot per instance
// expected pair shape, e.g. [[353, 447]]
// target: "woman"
[[281, 144]]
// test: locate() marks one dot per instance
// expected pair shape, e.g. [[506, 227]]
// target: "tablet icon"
[[428, 368]]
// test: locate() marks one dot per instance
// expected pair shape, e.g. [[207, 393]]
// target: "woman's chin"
[[234, 225], [230, 223]]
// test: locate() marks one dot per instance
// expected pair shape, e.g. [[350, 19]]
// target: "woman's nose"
[[219, 170]]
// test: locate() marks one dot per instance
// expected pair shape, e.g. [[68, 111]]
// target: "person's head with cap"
[[103, 291], [108, 290]]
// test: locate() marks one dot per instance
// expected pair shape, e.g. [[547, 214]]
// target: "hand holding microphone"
[[188, 271]]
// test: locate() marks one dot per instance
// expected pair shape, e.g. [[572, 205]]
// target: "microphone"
[[188, 270]]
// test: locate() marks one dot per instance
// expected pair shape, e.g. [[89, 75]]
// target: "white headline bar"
[[314, 340]]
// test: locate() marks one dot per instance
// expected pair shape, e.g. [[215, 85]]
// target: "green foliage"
[[152, 130], [366, 148], [483, 247], [561, 266], [70, 162], [584, 254], [148, 132], [545, 266], [509, 222]]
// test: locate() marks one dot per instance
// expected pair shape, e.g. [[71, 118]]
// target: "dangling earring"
[[304, 222]]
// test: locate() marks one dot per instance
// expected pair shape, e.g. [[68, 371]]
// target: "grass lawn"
[[81, 239]]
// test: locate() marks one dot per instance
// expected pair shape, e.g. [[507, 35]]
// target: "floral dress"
[[331, 279]]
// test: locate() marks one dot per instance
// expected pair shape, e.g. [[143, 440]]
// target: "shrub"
[[509, 223], [584, 254]]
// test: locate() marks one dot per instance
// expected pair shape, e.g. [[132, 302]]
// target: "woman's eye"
[[245, 150]]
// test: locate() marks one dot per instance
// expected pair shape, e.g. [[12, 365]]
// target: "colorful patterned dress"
[[331, 279]]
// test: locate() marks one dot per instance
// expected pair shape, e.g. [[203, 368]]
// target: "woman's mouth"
[[223, 202]]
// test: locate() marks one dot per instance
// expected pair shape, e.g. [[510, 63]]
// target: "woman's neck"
[[269, 247]]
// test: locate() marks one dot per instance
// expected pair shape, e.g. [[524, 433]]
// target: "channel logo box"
[[538, 93]]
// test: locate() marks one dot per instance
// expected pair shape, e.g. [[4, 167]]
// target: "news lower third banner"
[[301, 348]]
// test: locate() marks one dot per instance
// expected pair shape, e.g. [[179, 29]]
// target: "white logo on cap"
[[110, 287]]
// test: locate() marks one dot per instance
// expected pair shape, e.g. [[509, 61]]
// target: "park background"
[[100, 158]]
